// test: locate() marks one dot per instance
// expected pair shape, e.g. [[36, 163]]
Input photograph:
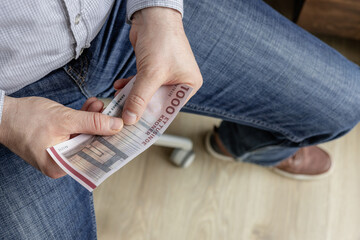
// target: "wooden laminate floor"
[[212, 200]]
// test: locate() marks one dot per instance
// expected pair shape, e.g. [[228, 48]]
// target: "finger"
[[144, 88], [94, 123], [96, 106], [51, 169], [87, 103], [120, 83]]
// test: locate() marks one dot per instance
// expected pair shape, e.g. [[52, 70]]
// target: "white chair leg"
[[183, 155]]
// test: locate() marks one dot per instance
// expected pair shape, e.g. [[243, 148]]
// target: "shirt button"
[[77, 19]]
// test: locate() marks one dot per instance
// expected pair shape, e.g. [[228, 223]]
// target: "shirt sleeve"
[[2, 96], [136, 5]]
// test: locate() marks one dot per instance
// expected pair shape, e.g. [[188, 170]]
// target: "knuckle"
[[67, 119], [56, 175], [50, 172], [136, 100], [53, 175], [96, 121], [46, 128], [45, 170]]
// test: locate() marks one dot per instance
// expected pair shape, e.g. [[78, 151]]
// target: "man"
[[278, 88]]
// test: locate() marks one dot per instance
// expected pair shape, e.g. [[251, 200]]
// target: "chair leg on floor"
[[183, 154]]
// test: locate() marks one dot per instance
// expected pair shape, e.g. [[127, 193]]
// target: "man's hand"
[[163, 57], [30, 125]]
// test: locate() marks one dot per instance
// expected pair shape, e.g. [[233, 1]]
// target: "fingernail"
[[129, 117], [116, 123]]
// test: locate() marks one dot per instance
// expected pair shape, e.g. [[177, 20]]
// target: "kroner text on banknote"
[[91, 159]]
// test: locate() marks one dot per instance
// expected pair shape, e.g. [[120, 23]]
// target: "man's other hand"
[[31, 125], [163, 57]]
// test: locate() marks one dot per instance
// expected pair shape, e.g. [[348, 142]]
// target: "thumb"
[[143, 89], [94, 123]]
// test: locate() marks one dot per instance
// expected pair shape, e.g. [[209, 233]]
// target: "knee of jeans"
[[344, 114], [335, 102], [331, 123]]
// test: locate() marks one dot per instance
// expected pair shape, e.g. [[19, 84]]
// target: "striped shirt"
[[39, 36]]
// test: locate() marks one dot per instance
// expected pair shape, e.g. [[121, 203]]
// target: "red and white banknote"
[[91, 159]]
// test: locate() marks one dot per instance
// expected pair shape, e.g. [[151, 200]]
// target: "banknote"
[[91, 159]]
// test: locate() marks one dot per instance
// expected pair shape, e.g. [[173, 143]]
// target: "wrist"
[[9, 105], [157, 15]]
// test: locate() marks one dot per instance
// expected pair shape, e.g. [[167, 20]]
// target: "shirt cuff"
[[136, 5], [2, 96]]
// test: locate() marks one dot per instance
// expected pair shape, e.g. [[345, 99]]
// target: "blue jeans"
[[276, 87]]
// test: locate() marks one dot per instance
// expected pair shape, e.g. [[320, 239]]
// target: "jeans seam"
[[244, 119], [93, 216], [79, 77]]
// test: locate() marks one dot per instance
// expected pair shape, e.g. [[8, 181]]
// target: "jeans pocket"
[[78, 70]]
